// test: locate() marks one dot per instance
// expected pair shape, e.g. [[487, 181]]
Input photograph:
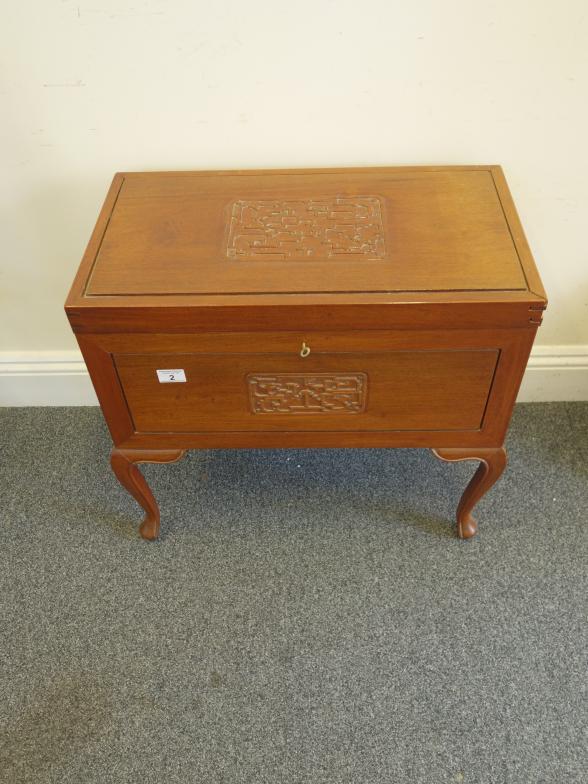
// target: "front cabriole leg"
[[493, 463], [123, 462]]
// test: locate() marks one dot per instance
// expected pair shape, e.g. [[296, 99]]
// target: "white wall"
[[89, 88]]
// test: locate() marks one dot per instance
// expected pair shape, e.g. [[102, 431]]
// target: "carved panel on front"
[[334, 227], [308, 393]]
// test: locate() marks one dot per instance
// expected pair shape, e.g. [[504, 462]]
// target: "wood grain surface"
[[442, 230], [404, 390]]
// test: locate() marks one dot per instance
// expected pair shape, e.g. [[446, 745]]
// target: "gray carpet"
[[305, 617]]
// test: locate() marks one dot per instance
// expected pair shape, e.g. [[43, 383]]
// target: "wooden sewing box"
[[366, 307]]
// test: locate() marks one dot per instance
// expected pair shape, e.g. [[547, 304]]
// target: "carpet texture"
[[306, 616]]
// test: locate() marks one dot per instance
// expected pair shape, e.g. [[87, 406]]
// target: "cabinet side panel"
[[106, 383]]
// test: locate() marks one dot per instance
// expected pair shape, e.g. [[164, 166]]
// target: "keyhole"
[[305, 350]]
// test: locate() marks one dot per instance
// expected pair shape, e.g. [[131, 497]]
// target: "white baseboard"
[[60, 378], [45, 378], [555, 373]]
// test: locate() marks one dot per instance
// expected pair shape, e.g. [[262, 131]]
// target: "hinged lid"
[[345, 231], [387, 235]]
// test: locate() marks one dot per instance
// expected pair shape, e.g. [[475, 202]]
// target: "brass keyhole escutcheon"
[[305, 350]]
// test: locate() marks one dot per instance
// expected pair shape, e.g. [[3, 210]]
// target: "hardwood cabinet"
[[388, 307]]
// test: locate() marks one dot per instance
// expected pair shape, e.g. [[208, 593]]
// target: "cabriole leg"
[[123, 462], [492, 464]]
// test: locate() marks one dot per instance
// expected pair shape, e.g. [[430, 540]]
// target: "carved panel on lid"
[[334, 227], [308, 393]]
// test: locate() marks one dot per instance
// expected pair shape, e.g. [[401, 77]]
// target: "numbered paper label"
[[171, 376]]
